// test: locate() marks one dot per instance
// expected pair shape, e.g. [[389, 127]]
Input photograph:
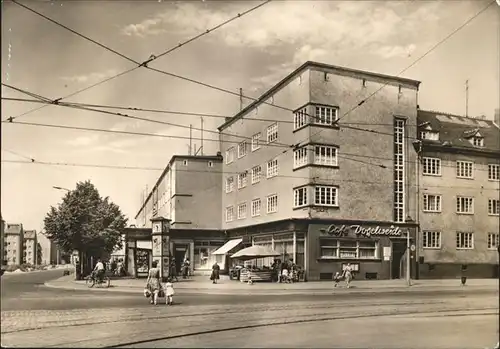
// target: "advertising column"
[[161, 245]]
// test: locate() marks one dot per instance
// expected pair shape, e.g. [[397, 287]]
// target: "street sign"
[[412, 248]]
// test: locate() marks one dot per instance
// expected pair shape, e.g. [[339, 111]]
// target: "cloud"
[[92, 77], [83, 141], [395, 51], [144, 28]]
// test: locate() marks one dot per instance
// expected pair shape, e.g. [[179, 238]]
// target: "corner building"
[[340, 194], [459, 195]]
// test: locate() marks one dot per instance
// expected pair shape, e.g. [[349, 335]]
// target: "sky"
[[253, 53]]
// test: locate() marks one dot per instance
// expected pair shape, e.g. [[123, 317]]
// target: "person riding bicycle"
[[99, 270]]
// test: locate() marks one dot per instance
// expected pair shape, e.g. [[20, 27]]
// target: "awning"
[[228, 246]]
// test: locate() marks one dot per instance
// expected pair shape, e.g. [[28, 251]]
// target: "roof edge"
[[300, 69]]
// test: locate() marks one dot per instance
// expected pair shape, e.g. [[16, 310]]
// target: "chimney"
[[497, 117]]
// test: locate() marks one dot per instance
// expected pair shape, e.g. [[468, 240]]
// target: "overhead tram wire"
[[17, 154], [347, 156], [143, 168], [378, 90], [285, 147], [139, 65], [174, 112], [64, 104]]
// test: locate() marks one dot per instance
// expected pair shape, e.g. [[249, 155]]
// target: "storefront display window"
[[283, 244], [348, 249], [203, 257]]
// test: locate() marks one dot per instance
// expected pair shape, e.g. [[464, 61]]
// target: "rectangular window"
[[300, 157], [272, 203], [256, 205], [432, 166], [493, 241], [465, 169], [325, 115], [399, 171], [230, 155], [430, 135], [325, 196], [465, 241], [478, 141], [242, 149], [242, 210], [493, 172], [345, 249], [229, 184], [229, 214], [272, 168], [272, 133], [256, 141], [431, 239], [300, 197], [493, 207], [300, 118], [432, 203], [465, 205], [242, 180], [325, 155], [256, 174]]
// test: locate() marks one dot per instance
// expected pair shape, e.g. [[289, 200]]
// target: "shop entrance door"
[[398, 251], [180, 253], [142, 262]]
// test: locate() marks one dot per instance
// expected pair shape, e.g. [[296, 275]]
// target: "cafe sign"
[[358, 230]]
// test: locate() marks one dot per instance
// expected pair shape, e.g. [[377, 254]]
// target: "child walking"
[[169, 292], [336, 279]]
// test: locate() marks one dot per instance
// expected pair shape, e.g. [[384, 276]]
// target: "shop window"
[[203, 257], [348, 249]]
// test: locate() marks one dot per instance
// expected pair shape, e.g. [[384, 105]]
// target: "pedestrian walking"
[[215, 273], [347, 274], [336, 279], [169, 292], [153, 283], [173, 270]]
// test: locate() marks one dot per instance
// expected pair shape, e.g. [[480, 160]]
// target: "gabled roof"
[[456, 131]]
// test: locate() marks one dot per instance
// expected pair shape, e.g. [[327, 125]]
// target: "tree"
[[85, 222]]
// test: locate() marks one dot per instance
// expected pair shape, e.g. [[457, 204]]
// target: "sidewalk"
[[202, 285]]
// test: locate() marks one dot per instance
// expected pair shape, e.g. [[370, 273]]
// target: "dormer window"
[[477, 141], [430, 135]]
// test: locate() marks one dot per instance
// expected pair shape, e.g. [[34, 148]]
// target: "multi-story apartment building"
[[13, 244], [459, 195], [2, 249], [189, 193], [30, 243], [308, 180]]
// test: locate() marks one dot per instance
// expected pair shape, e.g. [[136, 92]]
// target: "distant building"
[[189, 193], [3, 253], [30, 245], [13, 244], [459, 195]]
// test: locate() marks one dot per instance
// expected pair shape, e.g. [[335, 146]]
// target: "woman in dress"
[[153, 283], [348, 275], [215, 273]]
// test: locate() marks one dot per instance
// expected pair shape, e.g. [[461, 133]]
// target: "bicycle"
[[92, 280]]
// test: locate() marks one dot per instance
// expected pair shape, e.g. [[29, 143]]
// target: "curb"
[[311, 292]]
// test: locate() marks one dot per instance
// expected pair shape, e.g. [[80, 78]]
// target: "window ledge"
[[315, 165], [431, 174], [465, 213], [432, 248], [316, 206], [301, 128], [465, 248], [493, 214], [469, 178], [427, 211]]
